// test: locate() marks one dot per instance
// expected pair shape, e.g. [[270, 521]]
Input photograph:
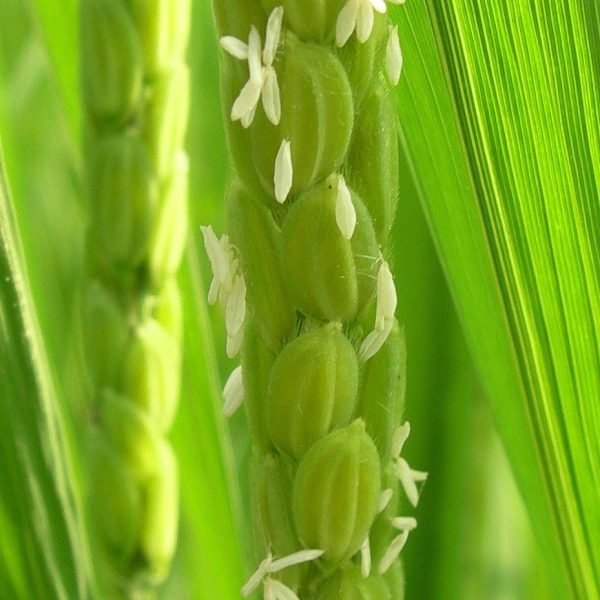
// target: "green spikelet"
[[336, 491], [314, 89], [257, 237], [382, 391], [314, 141], [312, 389], [329, 277], [275, 506], [135, 91], [372, 160], [113, 73]]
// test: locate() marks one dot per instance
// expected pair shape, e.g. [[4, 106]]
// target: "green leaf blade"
[[525, 83], [38, 506]]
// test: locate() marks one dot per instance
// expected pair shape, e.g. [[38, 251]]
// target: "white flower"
[[359, 15], [284, 171], [228, 286], [345, 213], [387, 300], [263, 78], [393, 56], [274, 589], [408, 477]]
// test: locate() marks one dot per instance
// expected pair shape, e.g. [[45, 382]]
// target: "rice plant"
[[442, 157]]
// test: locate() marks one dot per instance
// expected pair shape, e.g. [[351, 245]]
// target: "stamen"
[[235, 47], [404, 523], [245, 104], [254, 56], [366, 19], [294, 559], [218, 259], [358, 15], [234, 343], [404, 474], [387, 299], [256, 577], [384, 499], [284, 171], [393, 56], [392, 552], [374, 341], [262, 79], [213, 291], [345, 213], [271, 96], [399, 439], [235, 310], [272, 35], [233, 392], [276, 590], [346, 22], [365, 558]]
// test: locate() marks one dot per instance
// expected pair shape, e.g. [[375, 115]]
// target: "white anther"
[[219, 261], [235, 309], [228, 286], [276, 589], [408, 477], [345, 213], [391, 554], [234, 343], [399, 439], [271, 97], [404, 523], [365, 558], [374, 341], [235, 47], [393, 56], [244, 107], [272, 36], [284, 171], [359, 16], [233, 392], [387, 299], [384, 499], [262, 80]]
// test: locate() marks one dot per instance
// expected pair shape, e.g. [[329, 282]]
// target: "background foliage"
[[499, 107]]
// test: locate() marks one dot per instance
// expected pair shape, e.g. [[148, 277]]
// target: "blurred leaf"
[[510, 187], [58, 28], [460, 514], [211, 509], [42, 547], [212, 513]]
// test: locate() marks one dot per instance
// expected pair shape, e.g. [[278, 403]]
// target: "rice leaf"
[[511, 193], [45, 557]]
